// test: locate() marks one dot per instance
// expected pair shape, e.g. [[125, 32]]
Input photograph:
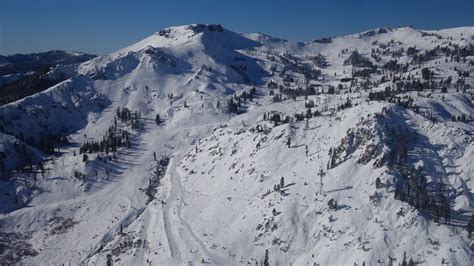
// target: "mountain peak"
[[190, 28]]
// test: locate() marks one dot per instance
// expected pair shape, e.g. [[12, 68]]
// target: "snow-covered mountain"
[[199, 145]]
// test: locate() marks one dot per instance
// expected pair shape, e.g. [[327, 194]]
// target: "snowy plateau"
[[202, 146]]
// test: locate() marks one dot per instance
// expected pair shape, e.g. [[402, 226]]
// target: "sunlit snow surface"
[[212, 205]]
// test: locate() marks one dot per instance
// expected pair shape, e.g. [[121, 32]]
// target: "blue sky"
[[102, 26]]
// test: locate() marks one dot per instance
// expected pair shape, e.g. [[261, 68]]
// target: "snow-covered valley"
[[199, 145]]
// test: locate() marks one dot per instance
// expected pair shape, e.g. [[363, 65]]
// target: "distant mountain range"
[[14, 67], [22, 75]]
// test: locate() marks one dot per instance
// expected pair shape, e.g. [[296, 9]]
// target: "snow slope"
[[215, 201]]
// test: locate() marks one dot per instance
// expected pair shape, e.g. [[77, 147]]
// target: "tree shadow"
[[289, 185], [339, 189], [296, 146]]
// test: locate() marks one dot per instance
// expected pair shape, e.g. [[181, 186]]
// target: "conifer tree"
[[110, 262], [378, 183], [266, 260], [158, 119], [470, 226]]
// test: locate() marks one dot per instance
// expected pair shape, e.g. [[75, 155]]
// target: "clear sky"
[[102, 26]]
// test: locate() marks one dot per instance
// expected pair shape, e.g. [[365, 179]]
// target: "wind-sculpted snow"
[[199, 145]]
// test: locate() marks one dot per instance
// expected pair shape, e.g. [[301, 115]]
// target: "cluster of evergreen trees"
[[289, 93], [235, 103], [279, 186], [158, 120], [405, 83], [461, 118], [394, 66], [357, 60], [332, 204], [364, 72], [276, 118], [158, 174], [320, 61], [242, 70], [345, 105], [293, 63], [112, 140], [452, 51], [128, 117], [332, 158], [389, 95], [412, 188], [114, 137]]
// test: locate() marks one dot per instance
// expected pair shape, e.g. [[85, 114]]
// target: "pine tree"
[[282, 182], [404, 262], [110, 262], [390, 260], [157, 119], [378, 183], [470, 226], [232, 107], [426, 73], [444, 208], [85, 158], [266, 261], [43, 170], [332, 158]]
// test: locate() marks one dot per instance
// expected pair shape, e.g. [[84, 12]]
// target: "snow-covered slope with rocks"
[[249, 125]]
